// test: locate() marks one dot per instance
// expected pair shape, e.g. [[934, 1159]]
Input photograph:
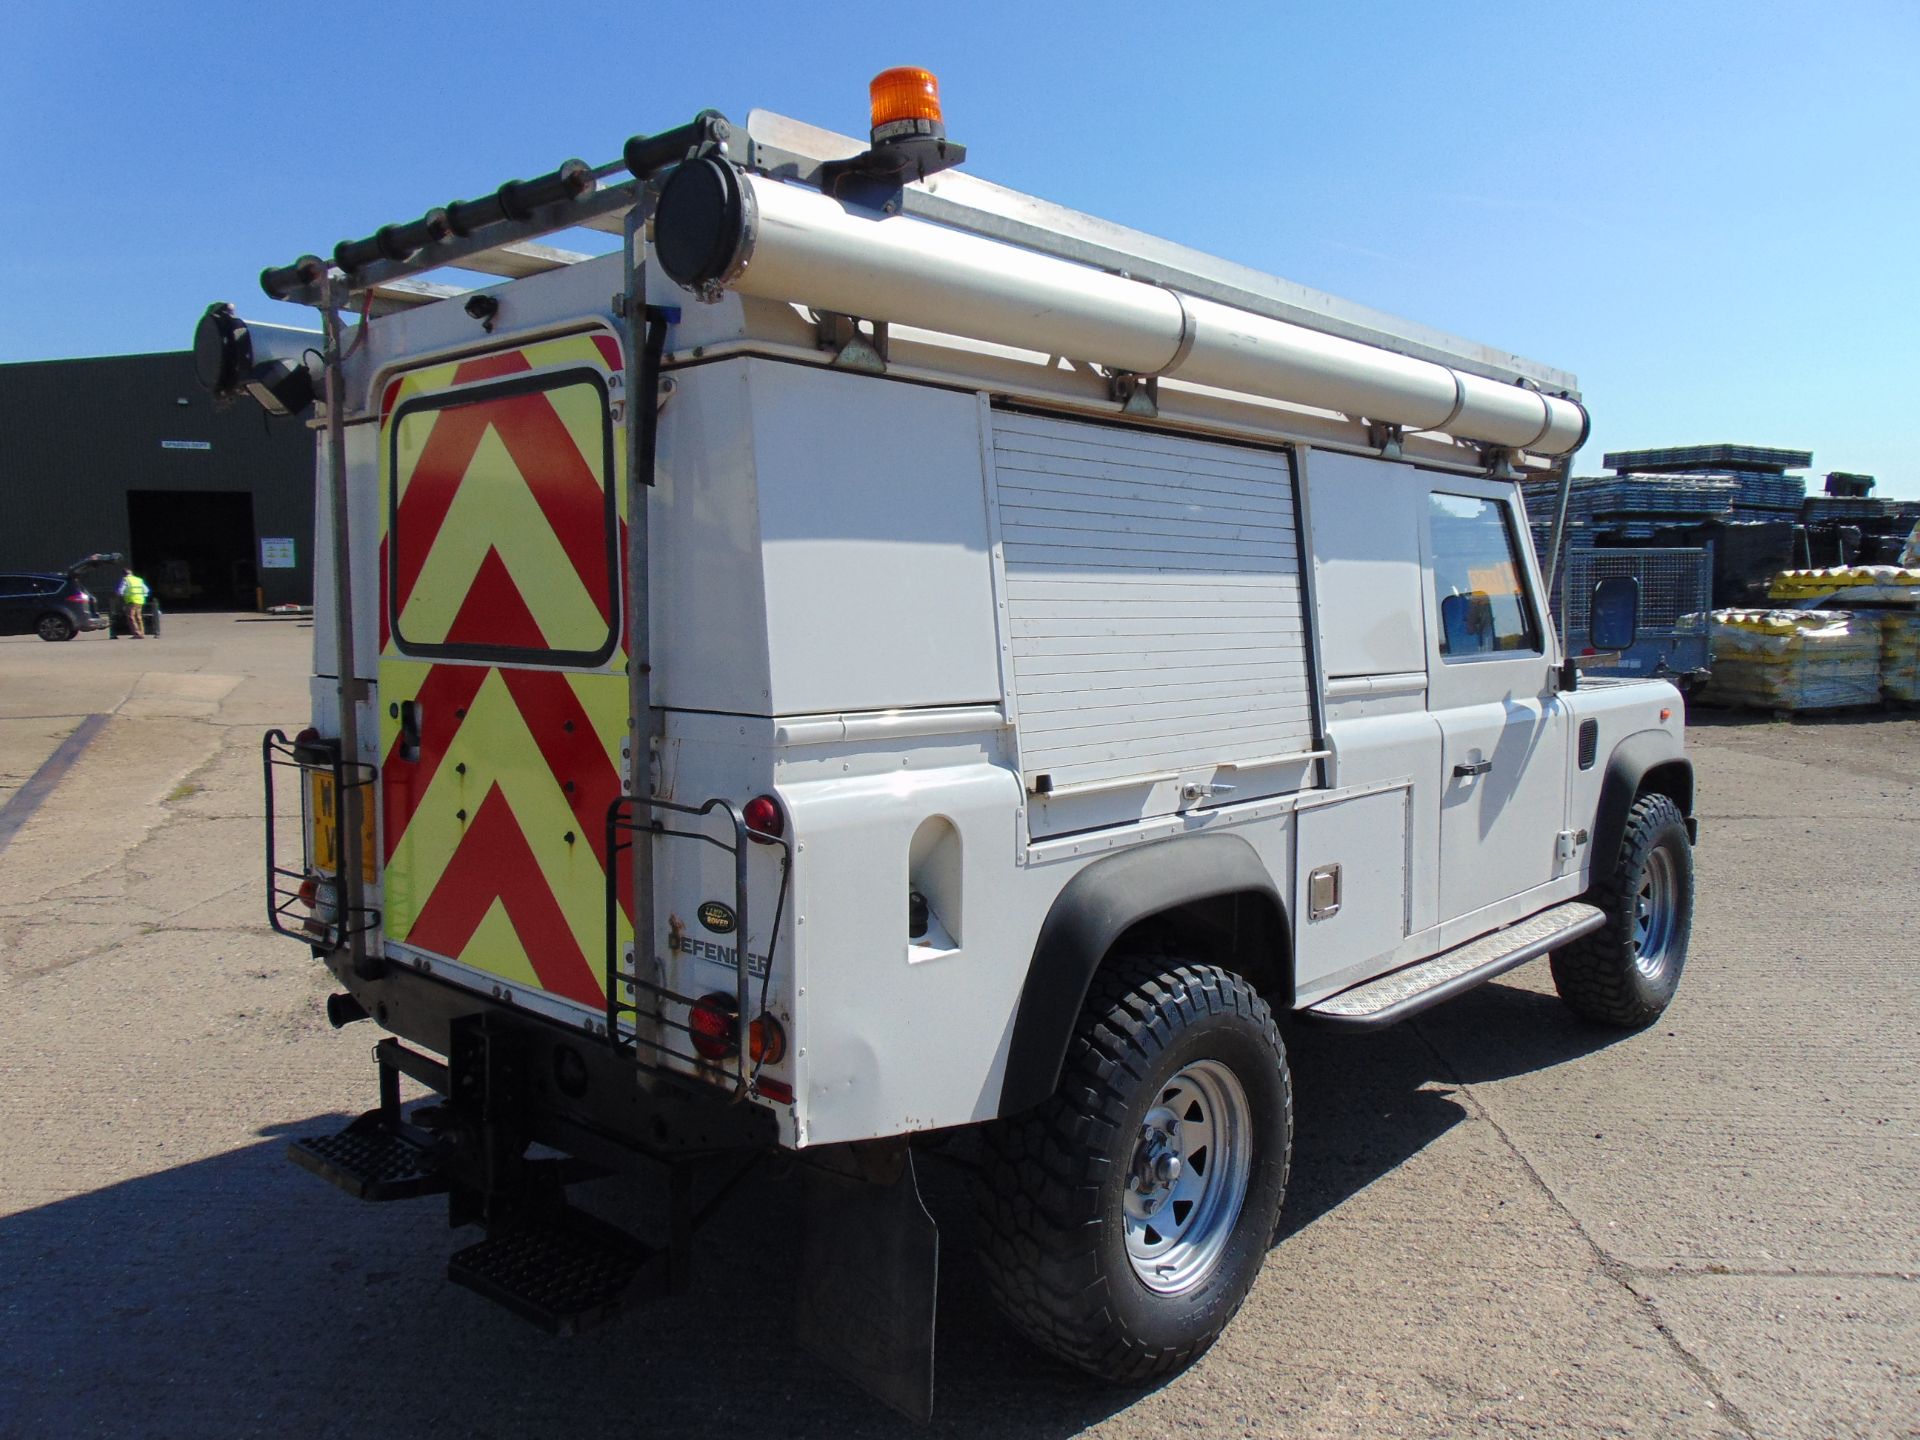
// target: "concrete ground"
[[1502, 1222]]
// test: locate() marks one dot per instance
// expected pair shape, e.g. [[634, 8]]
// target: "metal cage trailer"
[[881, 656], [1676, 604]]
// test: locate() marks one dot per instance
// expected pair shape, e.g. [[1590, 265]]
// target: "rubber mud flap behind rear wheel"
[[869, 1271]]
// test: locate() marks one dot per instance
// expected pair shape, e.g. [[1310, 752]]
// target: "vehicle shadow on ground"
[[239, 1295], [1365, 1103]]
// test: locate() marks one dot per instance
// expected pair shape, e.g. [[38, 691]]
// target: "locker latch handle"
[[410, 730]]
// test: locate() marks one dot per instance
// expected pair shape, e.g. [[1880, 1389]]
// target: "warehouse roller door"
[[194, 547]]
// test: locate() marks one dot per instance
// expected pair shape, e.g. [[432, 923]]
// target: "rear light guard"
[[303, 898], [703, 1029]]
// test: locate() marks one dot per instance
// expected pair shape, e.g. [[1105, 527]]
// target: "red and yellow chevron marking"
[[494, 835], [518, 475]]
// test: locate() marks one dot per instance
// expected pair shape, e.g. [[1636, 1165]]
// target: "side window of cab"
[[1480, 594]]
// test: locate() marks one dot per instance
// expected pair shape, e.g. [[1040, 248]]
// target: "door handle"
[[1466, 769], [410, 730]]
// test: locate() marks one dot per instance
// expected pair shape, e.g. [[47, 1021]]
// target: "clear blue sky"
[[1710, 212]]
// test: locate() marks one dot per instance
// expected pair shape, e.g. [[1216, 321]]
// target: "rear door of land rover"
[[503, 690]]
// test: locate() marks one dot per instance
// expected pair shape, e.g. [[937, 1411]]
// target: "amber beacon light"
[[906, 101]]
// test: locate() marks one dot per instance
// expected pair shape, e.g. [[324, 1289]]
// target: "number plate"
[[326, 826]]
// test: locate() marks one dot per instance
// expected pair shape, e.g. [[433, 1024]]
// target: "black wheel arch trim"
[[1640, 757], [1092, 911]]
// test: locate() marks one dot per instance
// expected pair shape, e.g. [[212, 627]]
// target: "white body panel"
[[807, 523]]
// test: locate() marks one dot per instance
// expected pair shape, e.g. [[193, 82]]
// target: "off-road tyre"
[[55, 627], [1052, 1191], [1605, 976]]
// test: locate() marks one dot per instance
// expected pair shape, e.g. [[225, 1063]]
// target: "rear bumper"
[[581, 1096]]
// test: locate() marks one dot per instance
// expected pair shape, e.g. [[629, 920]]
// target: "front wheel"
[[1125, 1218], [1626, 972]]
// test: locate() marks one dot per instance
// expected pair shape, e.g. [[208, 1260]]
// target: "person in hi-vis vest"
[[133, 590]]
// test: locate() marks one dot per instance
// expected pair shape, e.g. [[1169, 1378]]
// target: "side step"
[[566, 1274], [371, 1160], [1395, 996]]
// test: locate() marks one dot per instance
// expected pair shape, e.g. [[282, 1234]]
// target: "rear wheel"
[[1626, 972], [1125, 1218], [55, 627]]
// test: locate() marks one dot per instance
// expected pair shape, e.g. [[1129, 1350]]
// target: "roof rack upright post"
[[350, 688]]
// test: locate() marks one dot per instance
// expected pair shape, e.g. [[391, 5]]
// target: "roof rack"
[[500, 235]]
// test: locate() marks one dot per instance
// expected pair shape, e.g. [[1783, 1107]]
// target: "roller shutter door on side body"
[[1153, 603]]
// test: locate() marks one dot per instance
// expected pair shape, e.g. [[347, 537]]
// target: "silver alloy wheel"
[[55, 627], [1188, 1178], [1653, 914]]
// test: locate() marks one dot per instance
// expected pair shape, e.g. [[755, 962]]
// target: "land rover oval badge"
[[716, 917]]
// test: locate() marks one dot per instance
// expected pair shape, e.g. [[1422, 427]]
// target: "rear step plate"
[[370, 1161], [1395, 996], [566, 1275]]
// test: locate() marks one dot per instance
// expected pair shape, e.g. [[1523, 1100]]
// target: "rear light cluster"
[[322, 898], [714, 1024], [766, 822], [713, 1021]]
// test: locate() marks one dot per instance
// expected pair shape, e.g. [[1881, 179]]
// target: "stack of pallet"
[[1763, 496], [1794, 660], [1801, 585], [1634, 507]]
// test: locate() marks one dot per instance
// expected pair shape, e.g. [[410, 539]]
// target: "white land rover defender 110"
[[877, 655]]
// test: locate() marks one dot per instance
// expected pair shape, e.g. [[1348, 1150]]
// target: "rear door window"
[[503, 533]]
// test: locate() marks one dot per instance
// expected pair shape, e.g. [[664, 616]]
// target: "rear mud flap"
[[869, 1275]]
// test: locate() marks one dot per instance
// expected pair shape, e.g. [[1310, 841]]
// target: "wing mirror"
[[1613, 623]]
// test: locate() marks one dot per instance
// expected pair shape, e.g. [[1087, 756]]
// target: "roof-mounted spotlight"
[[276, 364]]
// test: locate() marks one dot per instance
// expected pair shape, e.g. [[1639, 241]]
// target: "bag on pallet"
[[1900, 655], [1794, 659]]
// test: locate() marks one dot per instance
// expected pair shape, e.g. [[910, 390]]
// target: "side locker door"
[[503, 666], [1504, 728]]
